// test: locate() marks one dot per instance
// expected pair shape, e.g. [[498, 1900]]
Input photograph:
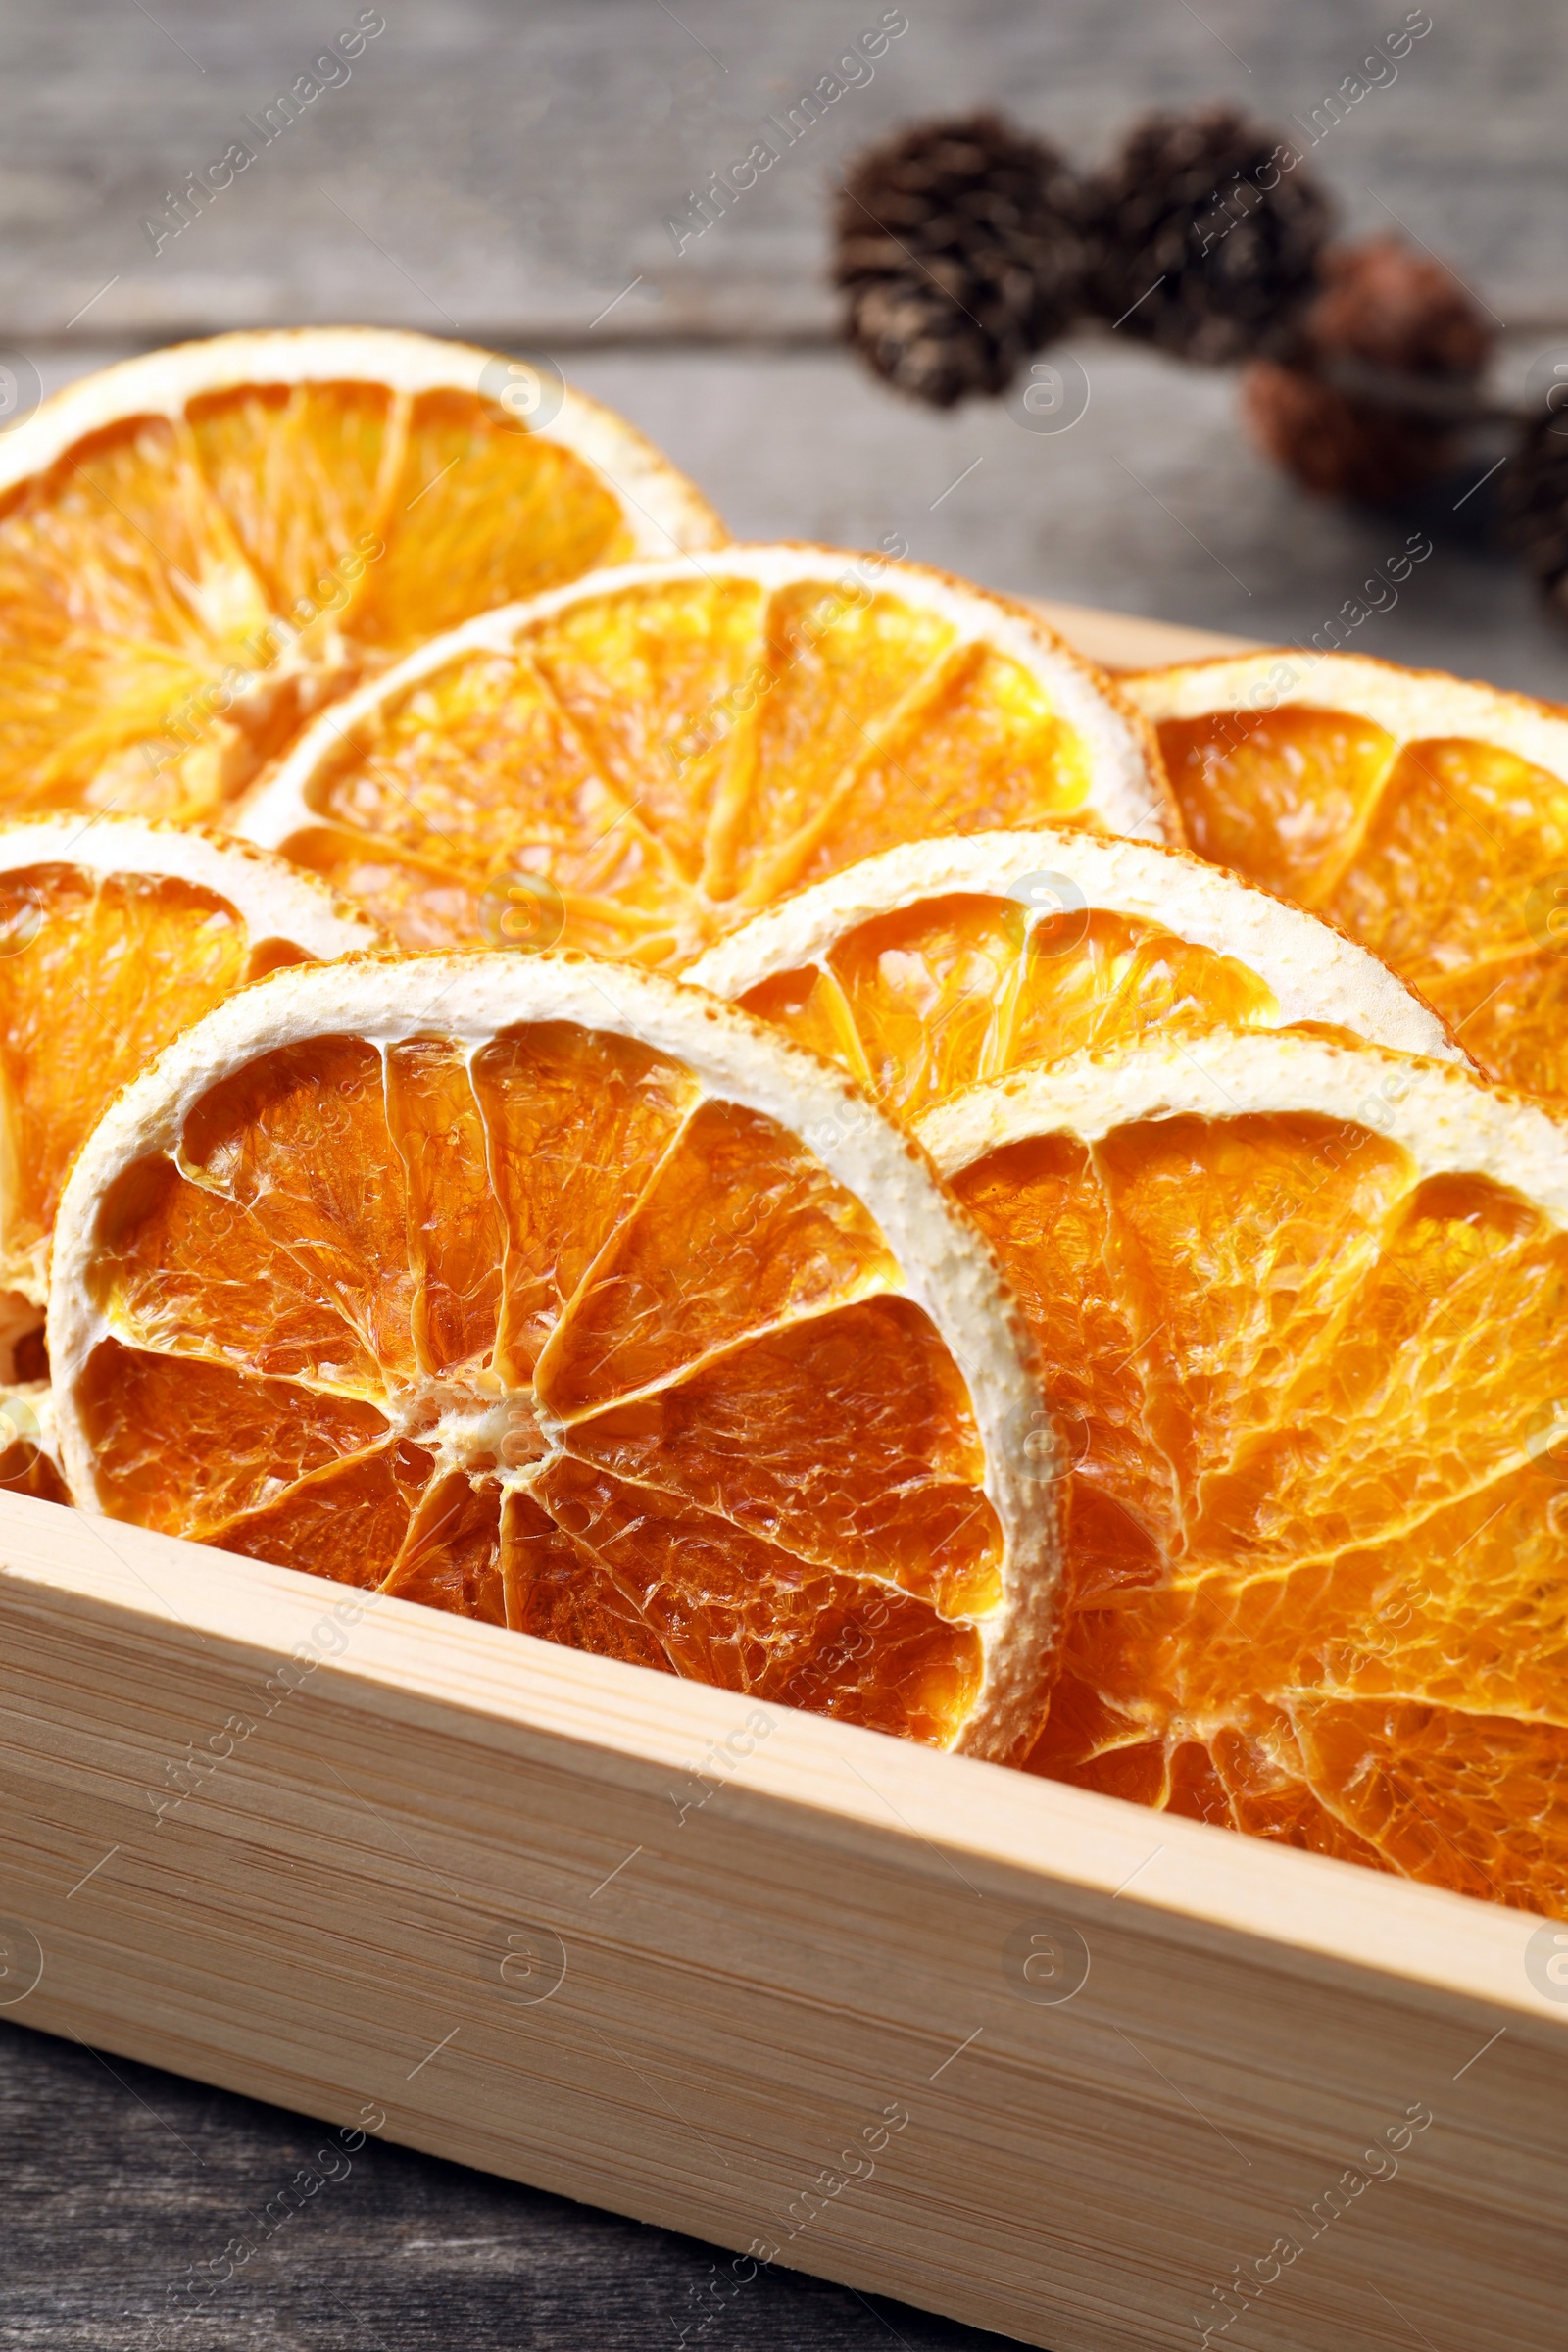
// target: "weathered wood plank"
[[510, 169]]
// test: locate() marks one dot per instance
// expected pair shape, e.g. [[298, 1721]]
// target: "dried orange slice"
[[1427, 815], [638, 764], [564, 1296], [199, 547], [945, 962], [1304, 1310], [115, 935]]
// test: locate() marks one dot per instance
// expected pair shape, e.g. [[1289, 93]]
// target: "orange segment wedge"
[[1427, 815], [200, 547], [636, 764], [1303, 1307], [565, 1297], [945, 962]]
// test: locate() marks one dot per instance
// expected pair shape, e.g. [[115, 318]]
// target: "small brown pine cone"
[[1372, 402], [1337, 446], [1398, 309], [1204, 233], [959, 246]]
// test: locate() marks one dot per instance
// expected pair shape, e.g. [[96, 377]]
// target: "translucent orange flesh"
[[25, 1469], [648, 769], [542, 1335], [178, 594], [97, 973], [951, 990], [1316, 1584], [1448, 857]]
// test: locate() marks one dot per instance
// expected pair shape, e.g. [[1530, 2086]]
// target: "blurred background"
[[506, 172], [504, 169]]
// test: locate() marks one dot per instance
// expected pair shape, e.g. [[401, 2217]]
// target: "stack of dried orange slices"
[[1301, 1303], [804, 1179]]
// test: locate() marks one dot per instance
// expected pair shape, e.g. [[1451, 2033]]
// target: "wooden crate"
[[1041, 2061]]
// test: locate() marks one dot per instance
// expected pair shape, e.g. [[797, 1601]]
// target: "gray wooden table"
[[506, 172], [114, 2176]]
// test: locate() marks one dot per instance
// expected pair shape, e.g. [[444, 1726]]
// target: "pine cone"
[[1535, 502], [1390, 361], [1337, 446], [960, 247], [1204, 237], [1398, 309]]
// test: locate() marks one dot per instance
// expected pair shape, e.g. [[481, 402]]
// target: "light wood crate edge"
[[1128, 640], [774, 1952]]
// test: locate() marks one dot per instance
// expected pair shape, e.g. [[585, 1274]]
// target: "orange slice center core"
[[476, 1428]]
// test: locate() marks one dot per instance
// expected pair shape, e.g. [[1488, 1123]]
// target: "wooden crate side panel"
[[759, 2022], [523, 1697]]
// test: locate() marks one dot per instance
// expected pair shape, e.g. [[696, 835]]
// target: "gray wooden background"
[[506, 172]]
